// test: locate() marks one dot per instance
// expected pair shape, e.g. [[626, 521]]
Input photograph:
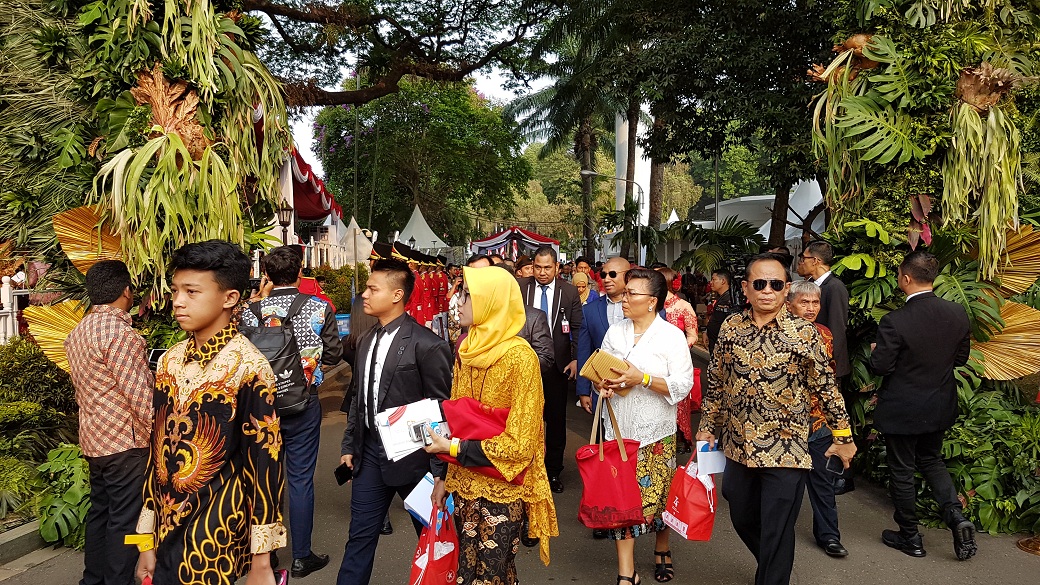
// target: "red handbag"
[[691, 504], [471, 420], [436, 559], [610, 497]]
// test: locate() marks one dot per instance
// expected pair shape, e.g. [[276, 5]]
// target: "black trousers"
[[763, 505], [554, 386], [116, 483], [906, 454], [821, 491]]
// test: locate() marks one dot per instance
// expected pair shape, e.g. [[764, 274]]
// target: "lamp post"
[[411, 242], [285, 217], [639, 201]]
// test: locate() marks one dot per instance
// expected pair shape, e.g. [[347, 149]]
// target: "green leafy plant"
[[336, 282], [65, 502], [732, 238], [26, 374], [18, 483]]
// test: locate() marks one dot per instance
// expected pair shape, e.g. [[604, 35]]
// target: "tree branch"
[[316, 13]]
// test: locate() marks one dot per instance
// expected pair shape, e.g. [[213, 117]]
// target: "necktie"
[[373, 397], [545, 300]]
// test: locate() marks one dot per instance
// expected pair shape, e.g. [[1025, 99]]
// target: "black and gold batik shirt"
[[214, 484], [759, 386]]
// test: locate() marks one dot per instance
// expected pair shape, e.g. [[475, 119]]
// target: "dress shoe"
[[307, 565], [963, 537], [387, 528], [524, 538], [913, 546], [833, 548], [555, 484], [599, 534]]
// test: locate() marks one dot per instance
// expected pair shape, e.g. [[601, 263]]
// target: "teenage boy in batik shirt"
[[214, 484]]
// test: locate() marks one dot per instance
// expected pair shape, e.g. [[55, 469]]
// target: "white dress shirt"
[[823, 277], [386, 341], [615, 312], [536, 299], [920, 292]]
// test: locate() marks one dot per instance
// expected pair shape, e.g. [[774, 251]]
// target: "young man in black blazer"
[[398, 362], [814, 263], [917, 349], [562, 306]]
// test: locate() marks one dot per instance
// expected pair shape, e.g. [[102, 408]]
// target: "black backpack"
[[292, 391]]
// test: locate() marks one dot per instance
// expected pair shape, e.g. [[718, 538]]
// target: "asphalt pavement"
[[577, 558]]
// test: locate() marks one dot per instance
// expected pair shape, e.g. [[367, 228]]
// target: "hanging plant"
[[982, 171]]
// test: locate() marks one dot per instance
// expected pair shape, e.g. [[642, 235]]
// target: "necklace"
[[638, 334]]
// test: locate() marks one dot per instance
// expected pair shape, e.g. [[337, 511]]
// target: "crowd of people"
[[193, 463]]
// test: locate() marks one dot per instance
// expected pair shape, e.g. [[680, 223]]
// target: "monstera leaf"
[[981, 300], [883, 134]]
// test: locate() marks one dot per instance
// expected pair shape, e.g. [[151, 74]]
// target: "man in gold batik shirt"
[[765, 366], [214, 482]]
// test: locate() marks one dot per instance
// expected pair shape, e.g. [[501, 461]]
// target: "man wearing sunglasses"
[[765, 367]]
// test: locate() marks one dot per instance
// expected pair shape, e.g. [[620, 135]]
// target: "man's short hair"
[[494, 257], [546, 251], [581, 259], [478, 258], [778, 258], [282, 265], [398, 273], [921, 266], [229, 265], [803, 287], [725, 273], [106, 281], [822, 250]]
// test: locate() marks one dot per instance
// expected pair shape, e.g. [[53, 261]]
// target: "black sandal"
[[663, 571], [633, 579]]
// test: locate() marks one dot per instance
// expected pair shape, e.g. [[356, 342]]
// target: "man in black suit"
[[917, 349], [815, 265], [398, 362], [560, 302]]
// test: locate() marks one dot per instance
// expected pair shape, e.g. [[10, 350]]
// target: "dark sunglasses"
[[776, 285], [612, 273]]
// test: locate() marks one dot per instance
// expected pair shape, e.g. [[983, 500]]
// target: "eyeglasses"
[[804, 257], [775, 284], [464, 297], [628, 293], [612, 273]]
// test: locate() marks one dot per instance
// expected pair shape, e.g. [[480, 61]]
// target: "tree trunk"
[[632, 114], [778, 227], [586, 142], [656, 192]]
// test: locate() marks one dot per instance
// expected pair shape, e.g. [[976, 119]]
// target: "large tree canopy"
[[441, 146]]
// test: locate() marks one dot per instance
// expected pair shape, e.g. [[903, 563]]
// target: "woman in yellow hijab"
[[500, 370]]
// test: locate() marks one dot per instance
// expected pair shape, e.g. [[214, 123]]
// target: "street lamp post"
[[639, 215], [285, 217]]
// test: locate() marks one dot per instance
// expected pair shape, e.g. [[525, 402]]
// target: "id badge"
[[566, 326]]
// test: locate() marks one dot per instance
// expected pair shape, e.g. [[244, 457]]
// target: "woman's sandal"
[[634, 579], [663, 571]]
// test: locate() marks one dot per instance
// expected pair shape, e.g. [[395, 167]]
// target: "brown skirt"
[[489, 536]]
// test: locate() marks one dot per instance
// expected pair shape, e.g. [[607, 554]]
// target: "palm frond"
[[50, 325], [1020, 265], [85, 237], [1015, 351]]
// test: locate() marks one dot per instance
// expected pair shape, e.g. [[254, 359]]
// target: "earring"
[[650, 309]]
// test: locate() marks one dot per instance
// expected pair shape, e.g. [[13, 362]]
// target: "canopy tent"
[[419, 230], [355, 245], [804, 196], [512, 243]]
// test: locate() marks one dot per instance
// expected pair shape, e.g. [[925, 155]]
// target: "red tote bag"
[[436, 559], [471, 420], [691, 504], [610, 497]]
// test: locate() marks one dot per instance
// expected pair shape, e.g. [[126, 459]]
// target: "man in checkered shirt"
[[109, 367]]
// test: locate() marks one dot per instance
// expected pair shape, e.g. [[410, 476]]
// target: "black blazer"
[[565, 306], [918, 346], [417, 366], [834, 314], [536, 333]]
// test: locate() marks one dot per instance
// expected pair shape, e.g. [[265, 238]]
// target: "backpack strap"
[[297, 304]]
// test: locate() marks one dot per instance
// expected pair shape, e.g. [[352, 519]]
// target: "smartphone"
[[343, 474], [835, 465]]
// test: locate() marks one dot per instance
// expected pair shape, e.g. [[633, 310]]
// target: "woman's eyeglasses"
[[629, 293], [464, 297], [775, 284], [612, 273]]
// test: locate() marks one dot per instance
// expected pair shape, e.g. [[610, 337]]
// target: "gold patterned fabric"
[[214, 483], [759, 387], [514, 382]]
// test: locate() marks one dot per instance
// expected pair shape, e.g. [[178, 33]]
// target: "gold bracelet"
[[144, 542], [842, 432], [453, 450]]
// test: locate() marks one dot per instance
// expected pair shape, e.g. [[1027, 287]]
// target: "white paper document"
[[418, 502], [394, 426], [710, 461]]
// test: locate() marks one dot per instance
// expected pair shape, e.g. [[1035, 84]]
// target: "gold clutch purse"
[[597, 367]]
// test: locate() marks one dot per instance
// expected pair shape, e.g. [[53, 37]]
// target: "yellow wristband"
[[144, 542], [454, 449], [841, 432], [646, 380]]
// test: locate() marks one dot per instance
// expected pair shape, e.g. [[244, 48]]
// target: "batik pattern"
[[655, 467], [489, 537]]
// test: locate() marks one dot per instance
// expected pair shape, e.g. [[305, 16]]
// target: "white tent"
[[425, 239], [356, 247], [804, 196]]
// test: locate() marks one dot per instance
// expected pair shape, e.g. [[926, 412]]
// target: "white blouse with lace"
[[662, 352]]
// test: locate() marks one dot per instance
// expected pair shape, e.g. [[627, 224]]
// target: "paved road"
[[577, 558]]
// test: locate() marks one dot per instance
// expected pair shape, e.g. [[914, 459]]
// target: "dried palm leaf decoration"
[[1020, 266], [50, 325], [84, 238], [1015, 351]]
